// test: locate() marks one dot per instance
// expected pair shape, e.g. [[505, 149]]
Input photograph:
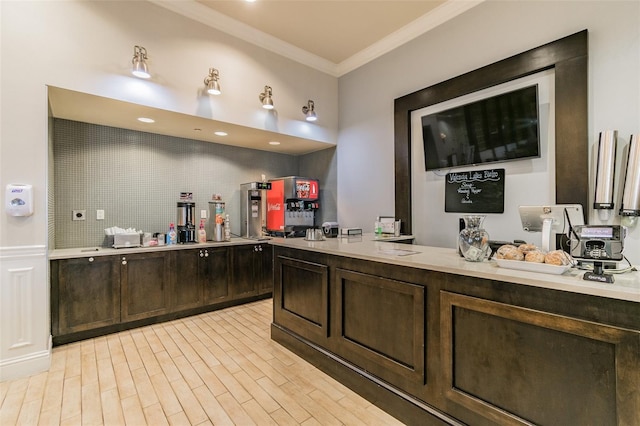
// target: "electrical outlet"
[[100, 214], [203, 214], [79, 214]]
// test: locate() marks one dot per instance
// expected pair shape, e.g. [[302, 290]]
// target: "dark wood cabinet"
[[85, 294], [504, 362], [251, 270], [102, 294], [379, 323], [145, 280], [187, 289], [214, 274], [423, 344], [201, 277], [264, 266], [303, 296]]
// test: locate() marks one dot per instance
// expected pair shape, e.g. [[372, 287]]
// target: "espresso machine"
[[292, 203], [186, 226], [252, 207]]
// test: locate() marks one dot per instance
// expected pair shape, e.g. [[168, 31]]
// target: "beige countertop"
[[626, 286], [72, 253]]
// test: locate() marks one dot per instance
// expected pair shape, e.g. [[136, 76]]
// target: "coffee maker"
[[186, 222], [292, 203]]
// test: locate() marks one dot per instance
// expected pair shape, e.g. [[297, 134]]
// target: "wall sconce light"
[[309, 111], [139, 62], [211, 81], [265, 98]]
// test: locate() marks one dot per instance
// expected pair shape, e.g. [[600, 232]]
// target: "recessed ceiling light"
[[197, 130], [274, 143], [146, 120], [220, 133]]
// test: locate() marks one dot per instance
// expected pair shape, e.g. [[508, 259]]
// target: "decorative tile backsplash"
[[137, 177]]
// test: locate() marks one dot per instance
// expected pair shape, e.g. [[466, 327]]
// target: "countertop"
[[626, 286], [72, 253]]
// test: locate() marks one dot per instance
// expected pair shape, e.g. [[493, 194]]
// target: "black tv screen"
[[500, 128]]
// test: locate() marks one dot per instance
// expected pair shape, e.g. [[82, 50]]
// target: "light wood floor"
[[217, 368]]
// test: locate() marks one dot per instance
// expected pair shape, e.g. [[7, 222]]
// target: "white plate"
[[544, 268]]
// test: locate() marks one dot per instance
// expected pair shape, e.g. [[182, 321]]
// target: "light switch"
[[99, 214], [203, 214]]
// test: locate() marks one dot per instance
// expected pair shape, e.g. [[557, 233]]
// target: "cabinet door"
[[145, 280], [264, 269], [505, 362], [244, 282], [85, 294], [187, 285], [214, 270]]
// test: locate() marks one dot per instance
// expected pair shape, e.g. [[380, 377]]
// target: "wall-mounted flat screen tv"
[[499, 128]]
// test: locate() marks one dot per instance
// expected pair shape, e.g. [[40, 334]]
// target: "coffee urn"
[[215, 224], [186, 226]]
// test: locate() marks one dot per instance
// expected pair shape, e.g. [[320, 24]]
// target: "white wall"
[[485, 34], [87, 46]]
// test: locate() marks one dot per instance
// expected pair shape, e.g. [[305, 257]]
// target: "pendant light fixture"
[[211, 81], [265, 98], [309, 111], [139, 61]]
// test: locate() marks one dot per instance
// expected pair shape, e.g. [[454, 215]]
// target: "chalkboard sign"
[[476, 191]]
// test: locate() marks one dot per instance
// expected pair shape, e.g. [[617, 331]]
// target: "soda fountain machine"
[[292, 203]]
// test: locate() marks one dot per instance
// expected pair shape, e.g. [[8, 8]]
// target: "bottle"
[[227, 229], [202, 234], [172, 236]]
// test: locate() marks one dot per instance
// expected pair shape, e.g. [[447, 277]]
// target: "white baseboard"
[[25, 366]]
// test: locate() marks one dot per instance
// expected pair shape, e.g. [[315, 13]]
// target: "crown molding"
[[441, 14], [213, 19], [198, 12]]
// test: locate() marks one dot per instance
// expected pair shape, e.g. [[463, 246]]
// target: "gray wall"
[[137, 177], [487, 33]]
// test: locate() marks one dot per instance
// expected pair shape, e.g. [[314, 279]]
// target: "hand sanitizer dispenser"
[[19, 199]]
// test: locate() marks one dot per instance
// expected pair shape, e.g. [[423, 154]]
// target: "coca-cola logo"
[[274, 206]]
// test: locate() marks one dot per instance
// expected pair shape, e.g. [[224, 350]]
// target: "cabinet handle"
[[259, 248], [201, 254], [91, 259], [124, 262], [206, 253]]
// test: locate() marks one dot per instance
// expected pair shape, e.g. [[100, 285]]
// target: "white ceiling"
[[333, 36]]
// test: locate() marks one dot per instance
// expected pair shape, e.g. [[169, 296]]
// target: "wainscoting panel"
[[25, 346]]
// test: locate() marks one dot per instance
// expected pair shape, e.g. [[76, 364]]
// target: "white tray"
[[544, 268]]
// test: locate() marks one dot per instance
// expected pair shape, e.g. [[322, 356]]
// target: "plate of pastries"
[[528, 257]]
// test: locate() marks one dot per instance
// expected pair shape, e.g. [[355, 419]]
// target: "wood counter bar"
[[434, 339]]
